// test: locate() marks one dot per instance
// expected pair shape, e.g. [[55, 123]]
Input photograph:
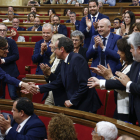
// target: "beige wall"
[[13, 2]]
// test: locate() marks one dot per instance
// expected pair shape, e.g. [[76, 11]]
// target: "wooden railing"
[[80, 117]]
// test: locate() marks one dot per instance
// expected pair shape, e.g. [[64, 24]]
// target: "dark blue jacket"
[[20, 29], [37, 58], [39, 29], [10, 66], [34, 129], [77, 24], [110, 54], [73, 76], [62, 29], [92, 31]]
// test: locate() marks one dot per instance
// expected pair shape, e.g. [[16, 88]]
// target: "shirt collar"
[[95, 16], [66, 59], [106, 36]]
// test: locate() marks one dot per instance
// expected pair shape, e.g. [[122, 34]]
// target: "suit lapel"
[[110, 39]]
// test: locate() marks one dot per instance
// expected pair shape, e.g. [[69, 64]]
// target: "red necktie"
[[18, 128]]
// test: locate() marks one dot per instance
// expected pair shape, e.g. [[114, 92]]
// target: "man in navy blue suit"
[[37, 26], [11, 8], [73, 20], [89, 23], [59, 28], [73, 77], [42, 51], [103, 48], [26, 125], [15, 23], [8, 64]]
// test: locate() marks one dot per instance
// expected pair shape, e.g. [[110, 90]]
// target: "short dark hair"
[[33, 6], [66, 43], [93, 1], [25, 104], [61, 128], [52, 11], [118, 20], [123, 46], [3, 42], [57, 16], [72, 13]]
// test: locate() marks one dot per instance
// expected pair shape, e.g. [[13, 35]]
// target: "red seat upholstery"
[[58, 14], [24, 28], [21, 20], [61, 21], [47, 21], [102, 96], [68, 31], [25, 58], [0, 20], [26, 38], [41, 21], [36, 38], [110, 108]]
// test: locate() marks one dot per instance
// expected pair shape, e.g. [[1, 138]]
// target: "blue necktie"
[[102, 53], [92, 27], [93, 19]]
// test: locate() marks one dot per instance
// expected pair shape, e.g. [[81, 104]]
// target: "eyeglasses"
[[2, 30], [4, 49], [116, 22], [76, 40]]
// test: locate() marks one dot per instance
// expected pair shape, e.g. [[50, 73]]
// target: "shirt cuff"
[[104, 49], [87, 29], [102, 84], [20, 84], [128, 86], [7, 131], [71, 103], [38, 88], [2, 61]]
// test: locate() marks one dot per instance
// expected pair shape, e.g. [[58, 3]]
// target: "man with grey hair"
[[103, 47], [73, 20], [129, 82], [78, 39], [42, 51], [10, 17], [105, 130], [15, 23]]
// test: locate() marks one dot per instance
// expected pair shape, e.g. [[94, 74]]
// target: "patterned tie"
[[102, 53], [18, 128]]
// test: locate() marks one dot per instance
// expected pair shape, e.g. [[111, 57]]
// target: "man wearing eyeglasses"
[[8, 61]]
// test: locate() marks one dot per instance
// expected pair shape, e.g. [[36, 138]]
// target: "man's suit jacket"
[[112, 29], [133, 5], [10, 66], [92, 31], [8, 79], [134, 96], [39, 29], [59, 95], [83, 51], [110, 53], [60, 2], [73, 77], [62, 29], [34, 129], [77, 24], [37, 58], [20, 29]]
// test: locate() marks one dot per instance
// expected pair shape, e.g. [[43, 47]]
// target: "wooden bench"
[[79, 117]]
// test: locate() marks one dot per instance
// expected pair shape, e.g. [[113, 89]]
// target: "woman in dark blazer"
[[78, 39], [55, 97]]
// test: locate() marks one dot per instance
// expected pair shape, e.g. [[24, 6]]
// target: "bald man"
[[37, 26], [103, 48]]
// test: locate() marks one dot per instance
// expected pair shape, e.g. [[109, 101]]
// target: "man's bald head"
[[104, 26], [125, 137]]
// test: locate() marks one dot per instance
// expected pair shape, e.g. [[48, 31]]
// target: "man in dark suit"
[[26, 124], [73, 20], [37, 26], [15, 23], [135, 3], [73, 76], [42, 51], [59, 28], [129, 82], [8, 64], [88, 24], [103, 48], [11, 8]]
